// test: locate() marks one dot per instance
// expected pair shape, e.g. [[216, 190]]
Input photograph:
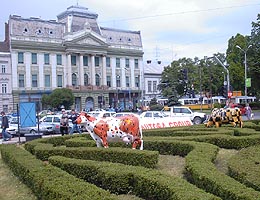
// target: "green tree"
[[59, 97], [253, 58]]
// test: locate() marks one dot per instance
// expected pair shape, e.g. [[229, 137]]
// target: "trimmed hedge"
[[122, 179], [47, 181], [120, 155], [245, 167]]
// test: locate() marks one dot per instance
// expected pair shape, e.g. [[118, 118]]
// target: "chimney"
[[6, 32]]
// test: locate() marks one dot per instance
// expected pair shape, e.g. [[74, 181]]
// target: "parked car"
[[241, 107], [54, 121], [99, 114], [43, 128], [121, 114], [152, 114]]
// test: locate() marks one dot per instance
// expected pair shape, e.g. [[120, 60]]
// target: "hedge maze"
[[71, 167]]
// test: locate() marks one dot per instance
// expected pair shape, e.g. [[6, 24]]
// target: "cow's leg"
[[138, 142], [104, 141]]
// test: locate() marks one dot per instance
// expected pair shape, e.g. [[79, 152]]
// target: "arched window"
[[85, 79], [118, 84], [97, 80], [74, 79]]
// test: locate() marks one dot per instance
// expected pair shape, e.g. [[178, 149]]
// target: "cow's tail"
[[141, 136]]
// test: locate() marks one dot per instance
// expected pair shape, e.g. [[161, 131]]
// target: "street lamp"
[[245, 51]]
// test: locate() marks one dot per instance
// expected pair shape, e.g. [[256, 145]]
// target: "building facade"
[[102, 66], [6, 97]]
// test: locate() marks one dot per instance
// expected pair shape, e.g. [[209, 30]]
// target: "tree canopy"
[[58, 98]]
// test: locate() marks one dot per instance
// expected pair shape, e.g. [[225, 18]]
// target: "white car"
[[54, 121], [45, 129], [121, 114], [153, 114], [101, 114]]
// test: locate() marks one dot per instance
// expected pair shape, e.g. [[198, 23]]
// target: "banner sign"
[[152, 123], [248, 82], [27, 114]]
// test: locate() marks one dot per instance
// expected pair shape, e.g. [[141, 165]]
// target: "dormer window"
[[39, 32], [110, 38], [50, 32], [129, 39], [25, 30]]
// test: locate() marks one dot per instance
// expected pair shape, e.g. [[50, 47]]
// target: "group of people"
[[64, 122]]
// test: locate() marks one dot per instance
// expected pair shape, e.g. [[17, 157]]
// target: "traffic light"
[[184, 74], [225, 92]]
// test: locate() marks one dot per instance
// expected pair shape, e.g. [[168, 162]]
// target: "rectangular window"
[[127, 79], [149, 86], [4, 88], [85, 60], [3, 69], [34, 58], [47, 80], [59, 59], [137, 81], [20, 58], [154, 86], [73, 60], [96, 61], [118, 84], [85, 79], [46, 59], [117, 62], [59, 80], [108, 61], [136, 64], [127, 63], [109, 81], [34, 80], [21, 80]]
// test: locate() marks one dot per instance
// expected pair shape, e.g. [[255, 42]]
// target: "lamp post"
[[245, 51]]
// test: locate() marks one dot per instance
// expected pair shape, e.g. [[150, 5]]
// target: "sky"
[[170, 29]]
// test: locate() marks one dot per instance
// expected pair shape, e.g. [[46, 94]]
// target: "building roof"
[[153, 67], [4, 47], [79, 11]]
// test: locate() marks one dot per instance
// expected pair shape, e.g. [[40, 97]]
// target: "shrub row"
[[120, 155], [201, 171], [220, 140], [204, 174], [245, 167], [47, 181], [122, 179]]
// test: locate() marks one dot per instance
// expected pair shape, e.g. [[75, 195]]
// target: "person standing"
[[64, 123], [5, 124], [73, 118], [248, 111]]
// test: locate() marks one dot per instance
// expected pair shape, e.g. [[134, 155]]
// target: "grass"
[[222, 159], [172, 165], [11, 187]]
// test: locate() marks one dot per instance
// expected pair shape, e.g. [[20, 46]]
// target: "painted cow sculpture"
[[221, 116], [105, 130]]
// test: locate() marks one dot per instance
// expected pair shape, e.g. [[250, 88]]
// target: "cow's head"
[[84, 117]]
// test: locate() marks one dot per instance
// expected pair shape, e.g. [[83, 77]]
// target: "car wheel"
[[197, 120], [33, 132]]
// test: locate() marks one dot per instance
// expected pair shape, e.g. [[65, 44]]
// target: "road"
[[256, 116]]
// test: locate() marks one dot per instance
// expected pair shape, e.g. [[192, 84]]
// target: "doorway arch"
[[89, 104]]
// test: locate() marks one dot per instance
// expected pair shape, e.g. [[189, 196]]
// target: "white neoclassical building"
[[103, 66]]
